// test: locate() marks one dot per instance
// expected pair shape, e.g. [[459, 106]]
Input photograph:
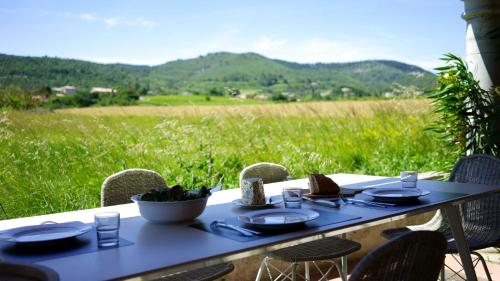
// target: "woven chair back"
[[414, 256], [268, 172], [482, 214], [26, 272], [118, 188]]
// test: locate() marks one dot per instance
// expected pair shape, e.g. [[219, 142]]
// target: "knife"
[[322, 202]]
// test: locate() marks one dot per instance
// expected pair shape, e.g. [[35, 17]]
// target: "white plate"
[[270, 202], [278, 217], [395, 195], [44, 232]]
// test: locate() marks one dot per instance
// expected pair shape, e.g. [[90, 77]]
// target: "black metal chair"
[[26, 272], [413, 256], [480, 218], [203, 274], [327, 249]]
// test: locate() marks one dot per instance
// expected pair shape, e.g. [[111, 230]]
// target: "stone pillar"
[[483, 40]]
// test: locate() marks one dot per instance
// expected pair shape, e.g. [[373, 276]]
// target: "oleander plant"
[[468, 115]]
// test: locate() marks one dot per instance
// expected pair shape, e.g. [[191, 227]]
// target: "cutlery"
[[216, 188], [323, 202], [354, 201], [244, 231], [380, 184]]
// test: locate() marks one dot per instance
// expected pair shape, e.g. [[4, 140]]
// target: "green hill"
[[245, 72]]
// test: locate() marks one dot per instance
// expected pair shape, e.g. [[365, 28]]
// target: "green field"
[[176, 100], [53, 162]]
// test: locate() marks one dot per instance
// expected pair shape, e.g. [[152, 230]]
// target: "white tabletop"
[[172, 247]]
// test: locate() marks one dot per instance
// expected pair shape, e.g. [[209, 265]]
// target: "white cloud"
[[110, 22], [314, 50], [266, 43], [116, 21], [88, 17], [308, 50], [147, 23], [127, 60]]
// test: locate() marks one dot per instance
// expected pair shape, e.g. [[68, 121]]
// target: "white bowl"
[[170, 211]]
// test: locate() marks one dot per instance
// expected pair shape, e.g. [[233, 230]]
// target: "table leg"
[[452, 214], [344, 259]]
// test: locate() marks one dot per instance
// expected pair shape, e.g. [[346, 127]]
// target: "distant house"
[[241, 96], [40, 98], [99, 90], [65, 90], [261, 97]]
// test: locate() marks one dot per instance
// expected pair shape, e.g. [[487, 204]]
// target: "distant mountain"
[[248, 71]]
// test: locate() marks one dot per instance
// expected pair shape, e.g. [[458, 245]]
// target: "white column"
[[483, 40]]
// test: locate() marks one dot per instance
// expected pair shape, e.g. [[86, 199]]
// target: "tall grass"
[[56, 162], [176, 100]]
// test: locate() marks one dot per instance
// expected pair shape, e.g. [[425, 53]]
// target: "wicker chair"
[[203, 274], [26, 272], [414, 256], [268, 172], [119, 187], [327, 249], [480, 218]]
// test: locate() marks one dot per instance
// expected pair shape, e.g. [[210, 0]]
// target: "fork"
[[244, 231], [354, 201]]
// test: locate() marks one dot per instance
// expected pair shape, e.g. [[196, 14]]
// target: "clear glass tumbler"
[[107, 227], [292, 197], [409, 179]]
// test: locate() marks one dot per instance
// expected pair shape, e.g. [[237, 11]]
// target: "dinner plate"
[[44, 232], [278, 217], [270, 202], [395, 195]]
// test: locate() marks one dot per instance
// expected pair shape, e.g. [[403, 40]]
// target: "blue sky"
[[153, 32]]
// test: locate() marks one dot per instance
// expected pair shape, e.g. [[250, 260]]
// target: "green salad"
[[174, 193]]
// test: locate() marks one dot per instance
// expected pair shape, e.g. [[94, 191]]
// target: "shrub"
[[467, 112], [16, 98]]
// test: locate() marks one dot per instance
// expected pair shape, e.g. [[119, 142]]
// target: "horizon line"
[[207, 54]]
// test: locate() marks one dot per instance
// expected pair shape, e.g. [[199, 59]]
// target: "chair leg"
[[294, 271], [340, 270], [306, 271], [483, 262], [344, 259], [443, 278], [262, 266]]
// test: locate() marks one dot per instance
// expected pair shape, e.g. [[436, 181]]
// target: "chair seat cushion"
[[324, 249]]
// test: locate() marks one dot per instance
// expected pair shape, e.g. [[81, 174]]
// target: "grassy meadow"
[[175, 100], [53, 162]]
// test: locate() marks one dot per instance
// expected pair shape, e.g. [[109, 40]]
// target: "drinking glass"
[[409, 179], [107, 227], [292, 197]]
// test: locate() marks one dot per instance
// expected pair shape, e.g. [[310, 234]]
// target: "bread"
[[320, 184], [252, 192]]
